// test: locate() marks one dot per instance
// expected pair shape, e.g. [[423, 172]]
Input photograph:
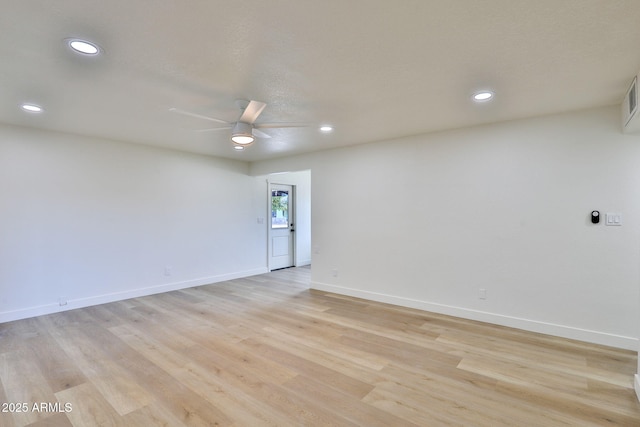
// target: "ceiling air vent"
[[630, 115]]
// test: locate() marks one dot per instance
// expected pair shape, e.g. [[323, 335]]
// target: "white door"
[[281, 227]]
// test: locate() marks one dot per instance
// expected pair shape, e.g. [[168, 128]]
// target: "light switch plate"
[[614, 219]]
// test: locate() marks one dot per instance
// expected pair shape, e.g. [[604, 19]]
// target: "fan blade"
[[252, 111], [211, 129], [280, 125], [260, 134], [198, 116]]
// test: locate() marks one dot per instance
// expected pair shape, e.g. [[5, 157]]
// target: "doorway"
[[281, 226]]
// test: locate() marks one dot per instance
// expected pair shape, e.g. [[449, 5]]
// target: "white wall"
[[92, 221], [636, 381], [427, 221], [423, 221]]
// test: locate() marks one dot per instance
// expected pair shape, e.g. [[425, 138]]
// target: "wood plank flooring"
[[266, 350]]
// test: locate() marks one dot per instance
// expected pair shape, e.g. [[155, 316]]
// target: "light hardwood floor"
[[266, 350]]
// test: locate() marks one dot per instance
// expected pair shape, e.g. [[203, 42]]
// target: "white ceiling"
[[375, 69]]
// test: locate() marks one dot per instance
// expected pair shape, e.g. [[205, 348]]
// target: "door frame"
[[292, 219]]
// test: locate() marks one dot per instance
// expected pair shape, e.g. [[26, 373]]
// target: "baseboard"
[[636, 385], [9, 316], [595, 337], [303, 262]]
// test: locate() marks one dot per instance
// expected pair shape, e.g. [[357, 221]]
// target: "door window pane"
[[279, 209]]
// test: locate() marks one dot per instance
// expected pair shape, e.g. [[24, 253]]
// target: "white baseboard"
[[636, 385], [9, 316], [618, 341]]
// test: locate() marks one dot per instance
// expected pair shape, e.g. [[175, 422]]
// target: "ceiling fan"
[[245, 129]]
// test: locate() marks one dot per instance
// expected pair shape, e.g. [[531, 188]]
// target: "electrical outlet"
[[167, 270], [482, 293], [62, 301], [334, 272]]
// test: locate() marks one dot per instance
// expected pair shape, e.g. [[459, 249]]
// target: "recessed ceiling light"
[[32, 108], [485, 95], [84, 47], [326, 128]]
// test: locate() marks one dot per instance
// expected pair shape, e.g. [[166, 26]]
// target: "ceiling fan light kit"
[[241, 134]]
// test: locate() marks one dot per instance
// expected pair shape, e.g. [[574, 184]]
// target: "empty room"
[[311, 213]]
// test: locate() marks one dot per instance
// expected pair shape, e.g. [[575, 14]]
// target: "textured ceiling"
[[374, 69]]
